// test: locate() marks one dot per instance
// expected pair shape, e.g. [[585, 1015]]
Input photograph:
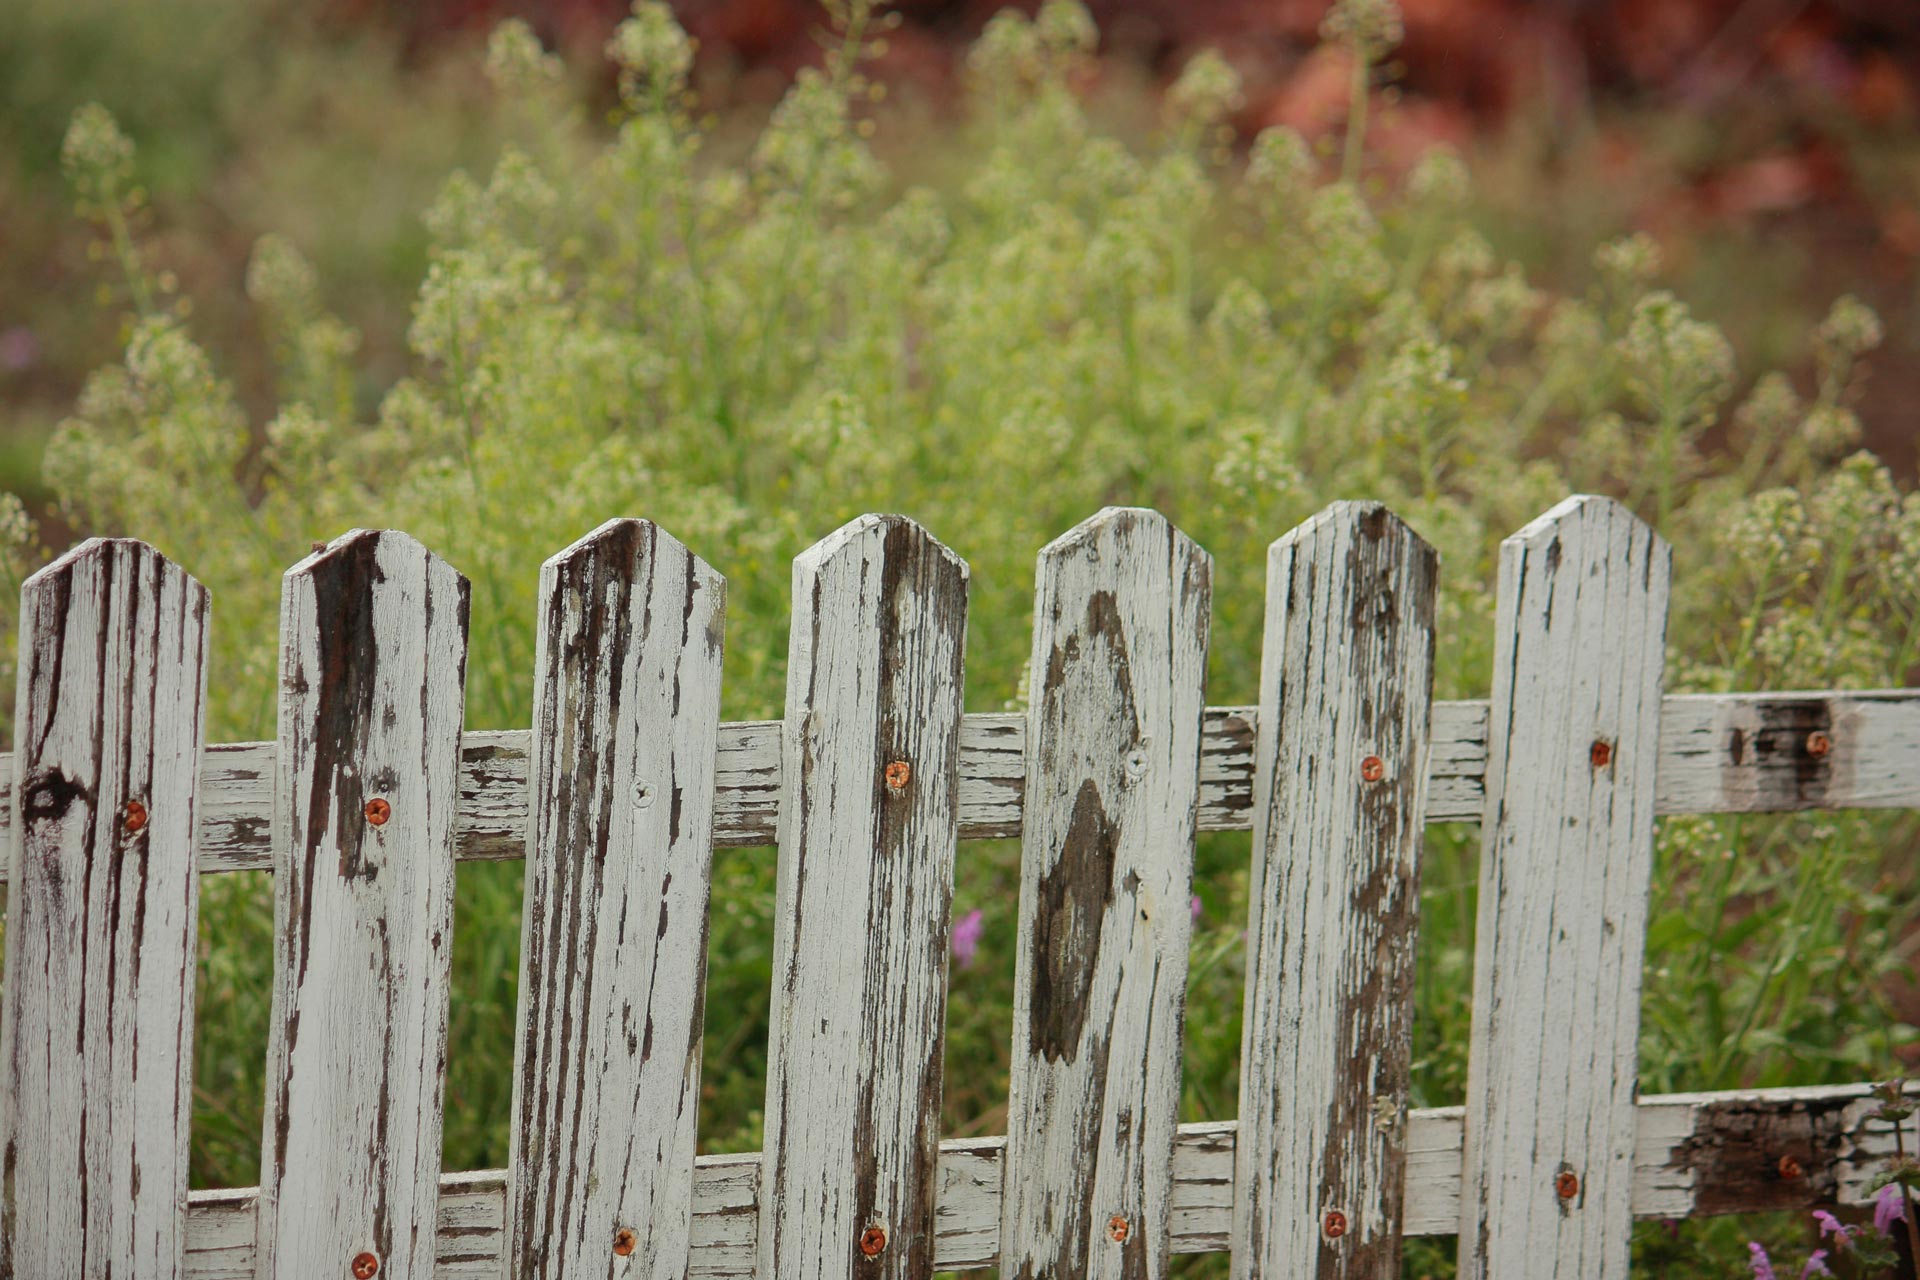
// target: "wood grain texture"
[[1346, 679], [626, 708], [1718, 755], [1687, 1145], [96, 1036], [1122, 607], [865, 887], [372, 692], [1567, 856]]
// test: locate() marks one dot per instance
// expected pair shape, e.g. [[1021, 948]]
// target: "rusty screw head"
[[378, 811], [1372, 769], [1567, 1184], [873, 1240], [1334, 1224], [623, 1242], [1789, 1168], [134, 816], [1601, 753], [1119, 1228], [365, 1266], [899, 773], [1818, 744]]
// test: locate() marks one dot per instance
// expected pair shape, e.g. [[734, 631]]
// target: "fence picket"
[[1339, 784], [97, 1029], [614, 934], [372, 694], [1574, 737], [1121, 614], [867, 833]]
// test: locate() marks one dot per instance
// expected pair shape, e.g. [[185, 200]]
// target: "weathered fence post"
[[97, 1034], [372, 694], [626, 710], [1121, 616], [867, 832], [1340, 784], [1574, 736]]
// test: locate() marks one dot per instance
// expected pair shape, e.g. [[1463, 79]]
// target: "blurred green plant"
[[752, 351]]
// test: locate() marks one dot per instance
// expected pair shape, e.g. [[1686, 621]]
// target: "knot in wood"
[[1789, 1168], [624, 1242], [1818, 744], [1334, 1224], [899, 773], [134, 817], [873, 1240], [365, 1266], [1601, 753], [1372, 769], [1567, 1184], [1118, 1227], [378, 811]]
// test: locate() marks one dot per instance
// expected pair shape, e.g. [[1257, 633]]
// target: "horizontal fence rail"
[[1694, 1155], [617, 796], [1719, 753]]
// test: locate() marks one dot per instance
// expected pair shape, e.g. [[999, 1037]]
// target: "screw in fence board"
[[373, 634], [865, 888], [1339, 814], [97, 1030], [1565, 870], [614, 927], [1122, 607]]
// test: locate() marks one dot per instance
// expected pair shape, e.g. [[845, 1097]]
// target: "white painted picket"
[[872, 745], [97, 1034], [1345, 689], [1574, 731], [607, 1067], [372, 692], [627, 781], [1121, 612]]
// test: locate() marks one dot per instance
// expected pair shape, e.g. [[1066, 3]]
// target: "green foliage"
[[752, 352]]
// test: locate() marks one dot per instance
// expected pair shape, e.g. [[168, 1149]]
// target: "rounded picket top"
[[112, 556], [898, 541], [631, 549], [1598, 521], [1129, 531], [1357, 523]]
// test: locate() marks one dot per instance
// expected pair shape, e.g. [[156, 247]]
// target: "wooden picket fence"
[[628, 779]]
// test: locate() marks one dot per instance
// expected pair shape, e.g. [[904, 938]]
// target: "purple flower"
[[1762, 1265], [1196, 908], [1816, 1265], [1891, 1207], [1832, 1226], [966, 937]]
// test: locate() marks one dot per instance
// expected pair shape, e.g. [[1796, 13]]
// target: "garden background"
[[493, 273]]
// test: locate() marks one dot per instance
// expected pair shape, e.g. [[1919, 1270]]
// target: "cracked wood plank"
[[97, 1030], [1346, 687], [1122, 607], [1567, 856], [372, 686], [1687, 1145], [1719, 753], [865, 887], [614, 930]]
